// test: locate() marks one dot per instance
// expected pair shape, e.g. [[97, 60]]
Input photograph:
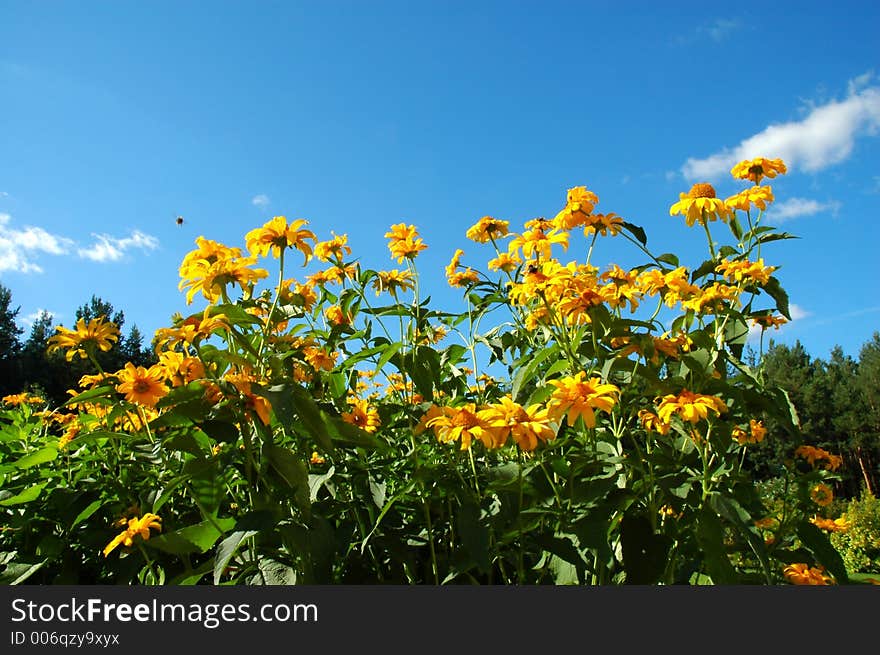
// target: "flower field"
[[319, 423]]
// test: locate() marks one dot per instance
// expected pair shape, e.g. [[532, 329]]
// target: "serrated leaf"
[[226, 551]]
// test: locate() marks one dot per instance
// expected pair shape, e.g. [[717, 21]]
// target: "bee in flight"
[[180, 220]]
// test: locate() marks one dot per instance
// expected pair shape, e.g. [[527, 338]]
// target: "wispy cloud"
[[19, 245], [29, 320], [824, 137], [798, 207], [111, 249], [260, 200], [720, 28], [797, 312]]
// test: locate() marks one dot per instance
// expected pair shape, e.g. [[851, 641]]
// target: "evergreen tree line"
[[25, 364], [837, 401], [838, 407]]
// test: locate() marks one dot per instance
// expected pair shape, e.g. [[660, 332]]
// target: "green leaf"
[[818, 544], [90, 509], [710, 536], [778, 294], [207, 483], [92, 394], [26, 496], [474, 535], [644, 551], [318, 481], [669, 258], [525, 373], [346, 434], [637, 232], [41, 456], [390, 351], [220, 430], [291, 469], [227, 549], [17, 572], [192, 539]]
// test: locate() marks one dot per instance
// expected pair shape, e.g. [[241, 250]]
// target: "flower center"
[[702, 190], [141, 386]]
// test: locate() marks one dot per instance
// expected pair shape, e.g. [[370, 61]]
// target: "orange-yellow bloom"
[[404, 242], [486, 229], [691, 407], [362, 415], [803, 574], [461, 424], [393, 281], [758, 168], [85, 337], [277, 234], [136, 526], [141, 385], [700, 205], [527, 426], [576, 397], [744, 270], [758, 196], [822, 495]]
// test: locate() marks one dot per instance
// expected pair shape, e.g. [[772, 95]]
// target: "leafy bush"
[[859, 545]]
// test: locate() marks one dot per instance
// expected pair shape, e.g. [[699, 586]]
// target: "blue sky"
[[115, 117]]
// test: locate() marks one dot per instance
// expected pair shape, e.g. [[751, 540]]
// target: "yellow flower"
[[755, 433], [822, 495], [766, 321], [504, 262], [840, 524], [814, 455], [700, 205], [802, 574], [362, 415], [212, 266], [24, 398], [526, 426], [392, 281], [738, 271], [577, 397], [536, 242], [461, 424], [404, 242], [335, 248], [578, 208], [759, 196], [487, 229], [94, 334], [652, 423], [319, 358], [713, 299], [259, 405], [758, 168], [457, 278], [276, 235], [316, 458], [336, 316], [136, 526], [691, 407], [140, 385]]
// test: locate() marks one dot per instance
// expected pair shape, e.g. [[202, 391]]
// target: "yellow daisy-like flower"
[[404, 242], [744, 270], [576, 397], [578, 208], [754, 434], [700, 205], [803, 574], [652, 423], [461, 424], [213, 266], [765, 321], [141, 385], [536, 241], [487, 229], [393, 281], [757, 169], [333, 249], [815, 456], [277, 234], [94, 334], [136, 526], [336, 316], [504, 262], [691, 407], [840, 524], [756, 196], [822, 495], [362, 415], [527, 426]]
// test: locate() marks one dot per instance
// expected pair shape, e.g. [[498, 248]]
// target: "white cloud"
[[29, 320], [720, 28], [797, 207], [18, 246], [797, 312], [260, 200], [111, 249], [824, 137]]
